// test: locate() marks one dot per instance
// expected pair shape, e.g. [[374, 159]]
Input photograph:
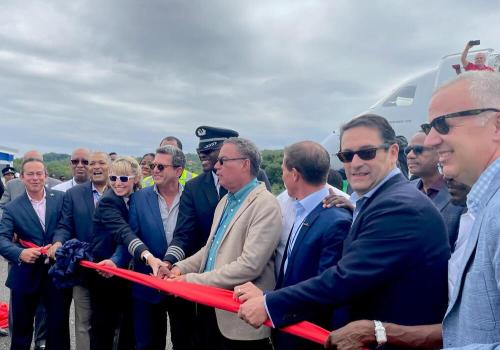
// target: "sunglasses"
[[442, 126], [76, 161], [364, 154], [222, 160], [123, 179], [206, 151], [417, 149], [160, 167]]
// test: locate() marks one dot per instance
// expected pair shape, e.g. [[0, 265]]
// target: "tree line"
[[58, 166]]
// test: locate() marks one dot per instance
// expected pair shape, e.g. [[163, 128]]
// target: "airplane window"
[[404, 96]]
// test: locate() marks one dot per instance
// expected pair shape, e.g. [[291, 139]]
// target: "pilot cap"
[[212, 138]]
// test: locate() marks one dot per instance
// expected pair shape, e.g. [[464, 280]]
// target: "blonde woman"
[[110, 295]]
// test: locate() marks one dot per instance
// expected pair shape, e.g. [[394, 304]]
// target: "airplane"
[[405, 107]]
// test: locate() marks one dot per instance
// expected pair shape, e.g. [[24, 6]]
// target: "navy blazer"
[[196, 211], [19, 217], [77, 212], [451, 213], [147, 225], [110, 220], [318, 245], [393, 267]]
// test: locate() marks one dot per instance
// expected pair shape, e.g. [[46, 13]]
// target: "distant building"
[[7, 156]]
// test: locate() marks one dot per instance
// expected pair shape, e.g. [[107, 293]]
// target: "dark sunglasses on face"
[[76, 161], [160, 167], [206, 152], [442, 126], [123, 179], [222, 160], [364, 154], [417, 149]]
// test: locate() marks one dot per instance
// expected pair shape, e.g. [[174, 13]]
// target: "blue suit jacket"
[[110, 221], [77, 212], [145, 221], [473, 316], [318, 247], [451, 213], [393, 267], [196, 211], [19, 217]]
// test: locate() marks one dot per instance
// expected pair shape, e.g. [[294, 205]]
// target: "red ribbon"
[[207, 295], [43, 250]]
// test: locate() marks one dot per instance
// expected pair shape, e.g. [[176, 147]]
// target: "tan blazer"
[[246, 253]]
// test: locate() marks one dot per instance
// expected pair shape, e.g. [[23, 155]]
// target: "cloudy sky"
[[120, 75]]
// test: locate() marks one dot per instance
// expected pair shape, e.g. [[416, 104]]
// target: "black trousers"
[[110, 302], [24, 306], [150, 324], [211, 338]]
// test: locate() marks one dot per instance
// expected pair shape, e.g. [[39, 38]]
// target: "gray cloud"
[[120, 75]]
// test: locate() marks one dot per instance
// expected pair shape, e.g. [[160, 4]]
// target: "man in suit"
[[199, 198], [16, 188], [33, 216], [245, 233], [464, 129], [423, 162], [316, 237], [152, 218], [76, 222], [394, 260]]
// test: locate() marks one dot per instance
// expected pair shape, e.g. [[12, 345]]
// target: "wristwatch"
[[380, 334], [146, 256]]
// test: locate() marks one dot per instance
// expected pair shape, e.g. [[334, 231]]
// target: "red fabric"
[[201, 294], [4, 315], [27, 244], [472, 66], [210, 296]]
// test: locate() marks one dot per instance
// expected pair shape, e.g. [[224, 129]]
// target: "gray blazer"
[[450, 213], [473, 315], [246, 253], [15, 187]]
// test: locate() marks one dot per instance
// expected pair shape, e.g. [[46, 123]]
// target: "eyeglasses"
[[76, 161], [222, 160], [417, 149], [122, 178], [442, 126], [160, 167], [364, 154]]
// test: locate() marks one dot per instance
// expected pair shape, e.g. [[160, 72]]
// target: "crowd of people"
[[399, 262]]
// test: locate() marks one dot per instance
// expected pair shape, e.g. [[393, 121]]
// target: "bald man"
[[79, 163]]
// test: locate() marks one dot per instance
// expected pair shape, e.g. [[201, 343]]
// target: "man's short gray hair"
[[484, 87], [247, 149], [178, 157]]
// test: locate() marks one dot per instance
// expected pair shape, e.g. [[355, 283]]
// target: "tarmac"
[[4, 297]]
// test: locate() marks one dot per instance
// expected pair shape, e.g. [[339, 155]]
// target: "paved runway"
[[4, 297]]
